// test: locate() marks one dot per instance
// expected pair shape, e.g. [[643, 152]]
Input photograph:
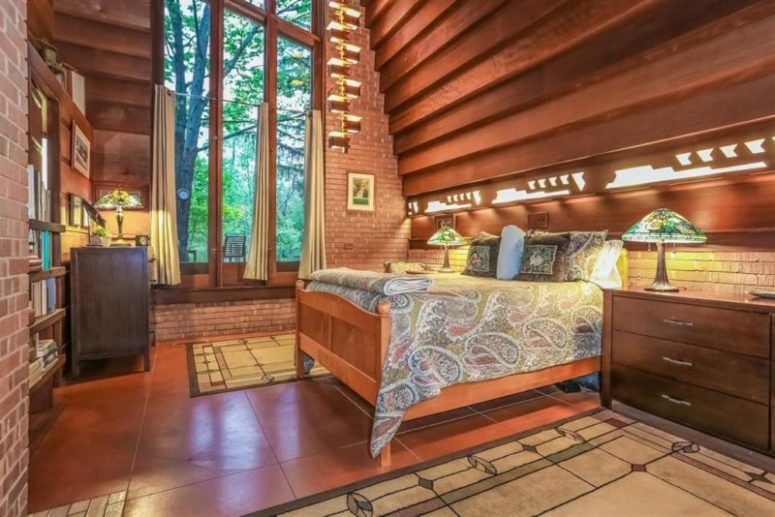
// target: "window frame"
[[211, 275]]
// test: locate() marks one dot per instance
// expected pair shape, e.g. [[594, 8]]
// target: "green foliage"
[[100, 231], [243, 85]]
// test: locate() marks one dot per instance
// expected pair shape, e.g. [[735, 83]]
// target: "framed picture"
[[76, 211], [360, 192], [141, 193], [80, 159], [440, 221]]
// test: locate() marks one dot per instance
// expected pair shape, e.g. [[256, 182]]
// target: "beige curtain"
[[257, 267], [313, 249], [165, 269]]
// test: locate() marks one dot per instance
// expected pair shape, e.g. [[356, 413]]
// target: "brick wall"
[[365, 240], [14, 305], [721, 272], [354, 239], [728, 272], [191, 321]]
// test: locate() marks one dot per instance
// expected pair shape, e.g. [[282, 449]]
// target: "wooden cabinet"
[[703, 361], [110, 303]]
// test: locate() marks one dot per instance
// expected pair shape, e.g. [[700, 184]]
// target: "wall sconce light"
[[346, 20]]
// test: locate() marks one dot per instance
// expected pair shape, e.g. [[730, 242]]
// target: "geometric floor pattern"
[[111, 505], [242, 363], [604, 464]]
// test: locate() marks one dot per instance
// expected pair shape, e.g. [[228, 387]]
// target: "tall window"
[[217, 120], [187, 72], [294, 99]]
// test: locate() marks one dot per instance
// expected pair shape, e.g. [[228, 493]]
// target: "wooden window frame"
[[207, 279]]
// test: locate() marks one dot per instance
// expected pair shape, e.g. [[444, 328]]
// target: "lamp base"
[[445, 270], [661, 287], [661, 283]]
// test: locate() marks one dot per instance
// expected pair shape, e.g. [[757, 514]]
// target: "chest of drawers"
[[700, 360]]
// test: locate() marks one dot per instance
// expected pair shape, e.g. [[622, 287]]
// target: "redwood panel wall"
[[14, 303], [109, 43], [478, 91]]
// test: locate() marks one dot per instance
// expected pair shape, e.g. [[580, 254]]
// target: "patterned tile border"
[[111, 505], [597, 464]]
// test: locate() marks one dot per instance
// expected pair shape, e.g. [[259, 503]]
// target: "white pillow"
[[510, 252], [605, 274]]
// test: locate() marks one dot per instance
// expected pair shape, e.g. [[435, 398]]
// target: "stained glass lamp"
[[117, 200], [664, 226], [446, 236]]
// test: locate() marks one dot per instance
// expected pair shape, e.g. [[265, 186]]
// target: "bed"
[[452, 346]]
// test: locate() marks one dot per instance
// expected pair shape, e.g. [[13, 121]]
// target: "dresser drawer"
[[734, 374], [722, 415], [723, 329]]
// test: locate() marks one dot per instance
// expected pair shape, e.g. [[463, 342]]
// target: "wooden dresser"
[[110, 295], [700, 360]]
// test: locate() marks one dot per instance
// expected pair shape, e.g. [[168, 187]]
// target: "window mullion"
[[215, 212], [271, 99]]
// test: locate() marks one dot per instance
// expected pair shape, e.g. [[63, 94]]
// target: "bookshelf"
[[51, 112]]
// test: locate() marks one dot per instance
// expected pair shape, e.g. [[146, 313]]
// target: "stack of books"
[[43, 296], [39, 196], [46, 354]]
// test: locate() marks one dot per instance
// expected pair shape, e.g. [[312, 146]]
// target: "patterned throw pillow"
[[545, 258], [483, 255], [583, 250]]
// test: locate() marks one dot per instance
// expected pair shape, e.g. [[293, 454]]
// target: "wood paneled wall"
[[108, 41], [478, 90]]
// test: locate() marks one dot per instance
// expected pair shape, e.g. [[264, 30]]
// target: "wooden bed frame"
[[352, 344]]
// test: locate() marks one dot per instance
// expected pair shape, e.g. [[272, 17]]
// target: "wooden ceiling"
[[478, 89]]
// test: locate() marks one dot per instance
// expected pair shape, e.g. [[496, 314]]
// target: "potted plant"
[[99, 237]]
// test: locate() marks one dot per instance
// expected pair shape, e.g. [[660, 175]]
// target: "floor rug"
[[242, 363], [597, 465]]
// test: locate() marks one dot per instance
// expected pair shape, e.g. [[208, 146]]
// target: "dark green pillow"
[[545, 258], [483, 255]]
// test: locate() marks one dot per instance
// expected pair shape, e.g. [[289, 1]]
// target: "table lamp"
[[663, 226], [118, 199], [446, 236]]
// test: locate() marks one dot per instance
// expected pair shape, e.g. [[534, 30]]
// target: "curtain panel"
[[313, 250], [165, 268], [257, 266]]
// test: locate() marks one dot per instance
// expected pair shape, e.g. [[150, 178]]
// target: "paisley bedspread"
[[467, 329]]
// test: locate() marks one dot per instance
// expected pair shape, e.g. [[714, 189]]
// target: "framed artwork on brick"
[[360, 192], [80, 157]]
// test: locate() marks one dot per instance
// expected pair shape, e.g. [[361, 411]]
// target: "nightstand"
[[703, 361]]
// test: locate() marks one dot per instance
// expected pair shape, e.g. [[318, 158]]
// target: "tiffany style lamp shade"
[[446, 236], [663, 226], [118, 199]]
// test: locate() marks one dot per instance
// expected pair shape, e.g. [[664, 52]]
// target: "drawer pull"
[[678, 323], [676, 401], [676, 361]]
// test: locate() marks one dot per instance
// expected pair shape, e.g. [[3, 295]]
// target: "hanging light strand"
[[346, 19]]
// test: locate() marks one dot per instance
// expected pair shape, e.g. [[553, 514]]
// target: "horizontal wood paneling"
[[119, 117], [454, 26], [109, 42], [133, 14], [102, 63], [641, 40], [513, 89], [102, 36], [750, 49], [416, 24]]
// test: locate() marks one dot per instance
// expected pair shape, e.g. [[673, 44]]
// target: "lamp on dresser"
[[117, 200], [663, 226], [446, 236]]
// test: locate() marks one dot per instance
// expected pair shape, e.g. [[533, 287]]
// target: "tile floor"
[[232, 453]]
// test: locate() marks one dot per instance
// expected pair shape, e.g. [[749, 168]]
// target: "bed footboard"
[[350, 342]]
